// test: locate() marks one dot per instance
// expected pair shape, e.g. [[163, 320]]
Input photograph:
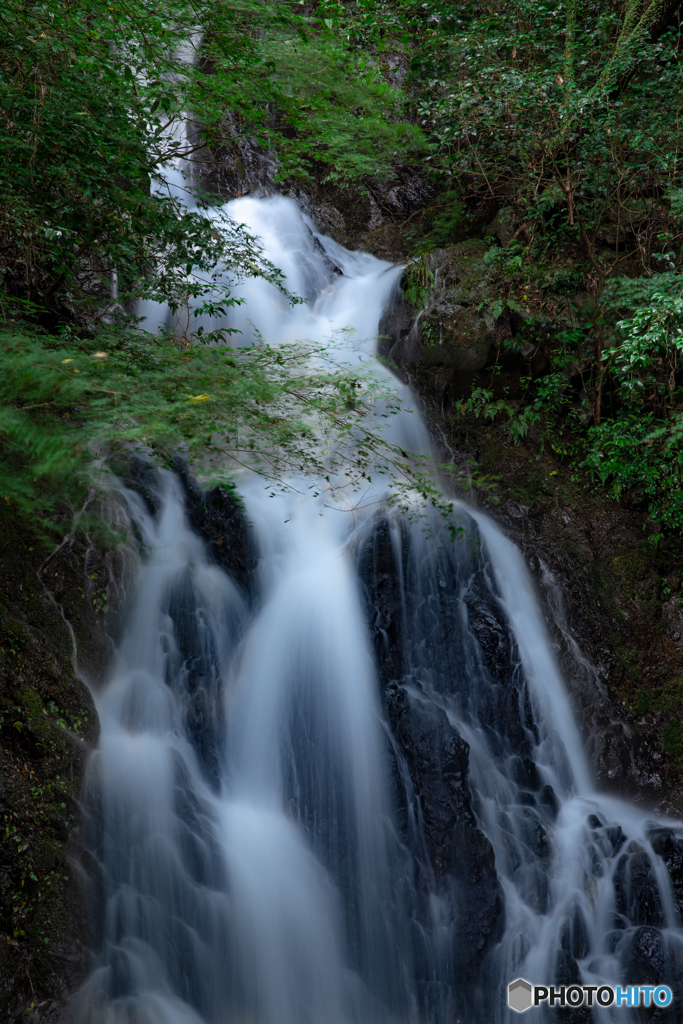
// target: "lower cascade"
[[342, 783]]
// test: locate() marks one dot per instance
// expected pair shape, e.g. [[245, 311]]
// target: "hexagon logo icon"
[[519, 995]]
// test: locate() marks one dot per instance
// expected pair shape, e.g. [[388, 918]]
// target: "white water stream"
[[283, 885]]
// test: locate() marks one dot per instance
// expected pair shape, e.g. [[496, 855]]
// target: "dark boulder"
[[643, 956], [221, 522], [437, 760], [567, 973], [143, 478]]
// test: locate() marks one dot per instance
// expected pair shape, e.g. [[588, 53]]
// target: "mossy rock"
[[503, 226], [462, 272], [456, 336]]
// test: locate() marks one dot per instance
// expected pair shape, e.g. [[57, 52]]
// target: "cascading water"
[[354, 794]]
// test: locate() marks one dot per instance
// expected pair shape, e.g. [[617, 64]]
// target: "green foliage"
[[506, 260], [506, 264], [94, 216], [482, 405], [66, 404], [634, 457], [639, 452], [568, 120], [532, 108], [70, 413], [85, 126], [449, 219], [445, 221], [520, 103], [650, 349]]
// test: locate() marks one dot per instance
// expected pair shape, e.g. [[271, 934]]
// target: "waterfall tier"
[[344, 785]]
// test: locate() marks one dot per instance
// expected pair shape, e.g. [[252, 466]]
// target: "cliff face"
[[48, 603], [612, 598], [613, 607]]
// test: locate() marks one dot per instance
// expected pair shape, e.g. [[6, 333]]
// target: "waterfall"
[[352, 791]]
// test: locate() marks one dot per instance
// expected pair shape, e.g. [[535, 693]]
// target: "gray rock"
[[329, 220]]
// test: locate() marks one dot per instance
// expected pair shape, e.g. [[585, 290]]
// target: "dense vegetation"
[[566, 120], [558, 122]]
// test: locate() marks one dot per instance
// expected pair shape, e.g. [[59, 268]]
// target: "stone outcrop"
[[459, 853]]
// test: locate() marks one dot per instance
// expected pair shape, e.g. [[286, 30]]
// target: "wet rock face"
[[457, 337], [200, 670], [437, 760], [601, 587], [668, 844], [454, 335], [437, 628], [215, 515], [636, 890], [498, 700], [48, 724], [143, 478], [373, 218], [462, 272], [460, 855], [643, 956], [377, 570], [454, 859], [221, 523]]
